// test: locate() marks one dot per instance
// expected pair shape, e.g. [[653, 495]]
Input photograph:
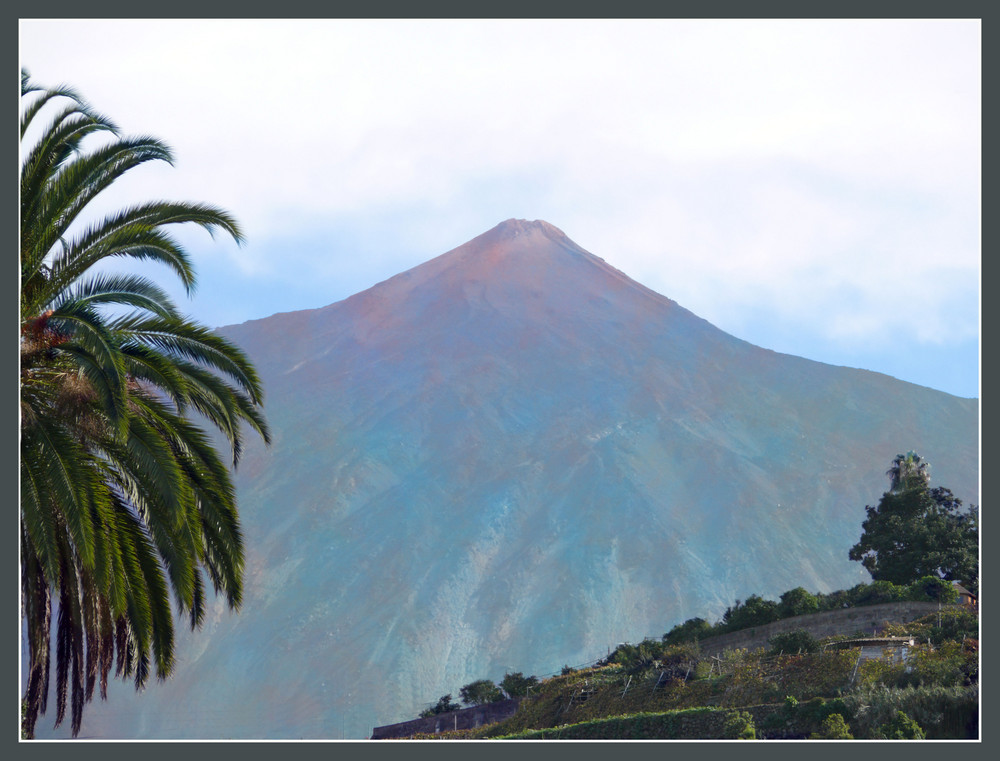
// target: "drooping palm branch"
[[124, 500]]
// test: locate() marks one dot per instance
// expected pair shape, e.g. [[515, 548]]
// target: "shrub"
[[516, 685], [902, 727], [637, 658], [934, 589], [739, 726], [702, 669], [837, 600], [444, 705], [819, 673], [877, 592], [817, 710], [879, 671], [941, 712], [950, 664], [946, 624], [833, 728], [798, 602], [755, 611], [953, 623], [690, 631], [480, 692], [797, 641]]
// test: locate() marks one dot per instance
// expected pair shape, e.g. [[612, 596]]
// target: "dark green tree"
[[833, 728], [690, 631], [755, 611], [793, 642], [124, 501], [920, 531], [739, 726], [900, 727], [480, 692], [933, 589], [877, 592], [444, 705], [637, 658], [516, 685], [797, 602]]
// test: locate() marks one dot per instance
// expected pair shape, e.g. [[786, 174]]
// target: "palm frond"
[[123, 498]]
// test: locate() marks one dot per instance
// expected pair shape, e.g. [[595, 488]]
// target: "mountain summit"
[[510, 458]]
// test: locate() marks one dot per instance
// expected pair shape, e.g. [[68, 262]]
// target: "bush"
[[950, 623], [812, 674], [637, 658], [878, 671], [516, 685], [690, 631], [798, 602], [797, 641], [444, 705], [833, 728], [933, 589], [739, 726], [950, 664], [902, 727], [954, 623], [480, 692], [837, 600], [942, 712], [877, 592], [755, 611]]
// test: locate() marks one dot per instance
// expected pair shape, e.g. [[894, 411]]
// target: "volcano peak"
[[514, 228]]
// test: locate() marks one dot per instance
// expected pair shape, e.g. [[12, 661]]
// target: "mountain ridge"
[[509, 230]]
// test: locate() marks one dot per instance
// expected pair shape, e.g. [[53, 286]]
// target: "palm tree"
[[125, 501], [908, 470]]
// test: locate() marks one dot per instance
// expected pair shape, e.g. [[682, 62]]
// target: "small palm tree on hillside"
[[908, 470], [124, 500]]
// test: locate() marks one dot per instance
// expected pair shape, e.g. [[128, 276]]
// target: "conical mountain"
[[510, 458]]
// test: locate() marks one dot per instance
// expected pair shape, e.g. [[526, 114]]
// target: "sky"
[[812, 187]]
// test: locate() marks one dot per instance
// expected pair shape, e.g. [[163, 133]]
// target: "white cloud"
[[786, 168]]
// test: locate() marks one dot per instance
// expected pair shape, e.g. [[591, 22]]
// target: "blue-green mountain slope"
[[511, 458]]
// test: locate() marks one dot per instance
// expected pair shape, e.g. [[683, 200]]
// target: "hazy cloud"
[[821, 174]]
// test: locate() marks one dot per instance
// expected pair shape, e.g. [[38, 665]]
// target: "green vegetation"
[[801, 687], [775, 697], [517, 685], [124, 501], [918, 532], [739, 726], [902, 727], [833, 728], [757, 611], [480, 692], [444, 705], [797, 602], [797, 641]]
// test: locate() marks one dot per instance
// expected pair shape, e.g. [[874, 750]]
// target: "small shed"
[[893, 649], [965, 597]]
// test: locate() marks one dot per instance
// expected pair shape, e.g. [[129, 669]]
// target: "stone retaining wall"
[[465, 718], [868, 619]]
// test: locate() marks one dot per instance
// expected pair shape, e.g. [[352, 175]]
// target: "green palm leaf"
[[125, 503]]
